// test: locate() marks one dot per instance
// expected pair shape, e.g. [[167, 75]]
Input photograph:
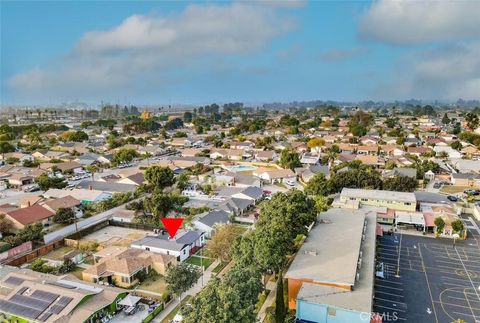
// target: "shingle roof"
[[30, 214], [214, 217]]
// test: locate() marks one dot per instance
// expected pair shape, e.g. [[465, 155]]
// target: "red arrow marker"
[[172, 225]]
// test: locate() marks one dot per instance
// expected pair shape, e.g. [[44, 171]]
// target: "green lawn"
[[174, 312], [197, 261]]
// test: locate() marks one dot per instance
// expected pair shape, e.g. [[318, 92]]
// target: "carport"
[[415, 219]]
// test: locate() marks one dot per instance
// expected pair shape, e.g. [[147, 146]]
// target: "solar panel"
[[43, 295], [20, 310], [30, 302], [44, 316], [64, 301], [12, 280], [56, 309], [22, 290]]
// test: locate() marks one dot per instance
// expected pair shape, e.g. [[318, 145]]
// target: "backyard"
[[174, 312]]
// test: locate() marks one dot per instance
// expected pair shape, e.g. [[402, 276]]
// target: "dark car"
[[452, 198]]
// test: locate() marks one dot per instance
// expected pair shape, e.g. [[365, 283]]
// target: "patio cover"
[[410, 218], [130, 300]]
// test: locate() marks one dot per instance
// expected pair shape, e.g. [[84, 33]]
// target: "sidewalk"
[[272, 287], [207, 274]]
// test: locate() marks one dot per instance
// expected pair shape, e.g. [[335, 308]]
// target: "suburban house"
[[87, 196], [18, 180], [183, 245], [354, 198], [461, 179], [231, 154], [310, 159], [251, 193], [331, 276], [266, 155], [400, 171], [69, 167], [273, 176], [66, 202], [307, 173], [124, 265], [209, 220], [30, 215]]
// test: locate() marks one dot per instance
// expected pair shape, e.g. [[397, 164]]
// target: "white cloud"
[[446, 73], [146, 52], [413, 22]]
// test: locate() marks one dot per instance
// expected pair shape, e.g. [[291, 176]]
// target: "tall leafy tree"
[[318, 185], [280, 310], [159, 177], [289, 159], [181, 277], [400, 183]]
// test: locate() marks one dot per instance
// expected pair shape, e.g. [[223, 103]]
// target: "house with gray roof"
[[209, 220], [184, 244]]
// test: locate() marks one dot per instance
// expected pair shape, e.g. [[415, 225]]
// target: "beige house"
[[124, 266]]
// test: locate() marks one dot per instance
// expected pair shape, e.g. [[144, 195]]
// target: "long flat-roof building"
[[353, 198], [331, 277]]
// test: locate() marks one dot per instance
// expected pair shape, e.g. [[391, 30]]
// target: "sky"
[[171, 52]]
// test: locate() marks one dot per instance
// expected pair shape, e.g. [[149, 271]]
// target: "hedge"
[[152, 315]]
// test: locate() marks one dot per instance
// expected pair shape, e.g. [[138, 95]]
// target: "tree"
[[182, 181], [440, 224], [457, 145], [315, 142], [458, 225], [219, 247], [187, 117], [159, 177], [181, 277], [67, 266], [318, 185], [160, 203], [400, 183], [472, 121], [289, 159], [445, 119], [321, 203], [5, 148], [5, 224], [124, 156], [46, 182], [64, 216], [280, 310], [356, 178]]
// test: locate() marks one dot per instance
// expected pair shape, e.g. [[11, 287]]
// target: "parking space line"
[[390, 300], [396, 288], [379, 291], [393, 309], [428, 283]]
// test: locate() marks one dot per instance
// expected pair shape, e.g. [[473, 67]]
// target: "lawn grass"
[[219, 267], [452, 189], [156, 284], [195, 260], [174, 312]]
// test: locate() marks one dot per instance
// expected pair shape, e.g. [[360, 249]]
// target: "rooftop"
[[330, 253], [379, 195]]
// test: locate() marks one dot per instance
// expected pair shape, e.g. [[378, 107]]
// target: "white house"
[[183, 245]]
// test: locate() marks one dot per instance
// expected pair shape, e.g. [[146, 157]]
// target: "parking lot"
[[436, 281]]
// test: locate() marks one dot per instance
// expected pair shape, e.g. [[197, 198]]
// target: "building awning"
[[410, 218], [130, 300]]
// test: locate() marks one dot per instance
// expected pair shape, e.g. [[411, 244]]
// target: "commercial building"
[[354, 198], [331, 278]]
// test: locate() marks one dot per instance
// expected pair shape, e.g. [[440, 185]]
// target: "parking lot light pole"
[[397, 274]]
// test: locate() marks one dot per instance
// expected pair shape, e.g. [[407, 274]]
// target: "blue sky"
[[252, 51]]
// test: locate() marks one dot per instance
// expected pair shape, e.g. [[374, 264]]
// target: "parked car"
[[471, 192], [31, 188], [379, 270], [437, 185], [452, 198]]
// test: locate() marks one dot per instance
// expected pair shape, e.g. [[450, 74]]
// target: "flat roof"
[[379, 195], [331, 250], [361, 297]]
